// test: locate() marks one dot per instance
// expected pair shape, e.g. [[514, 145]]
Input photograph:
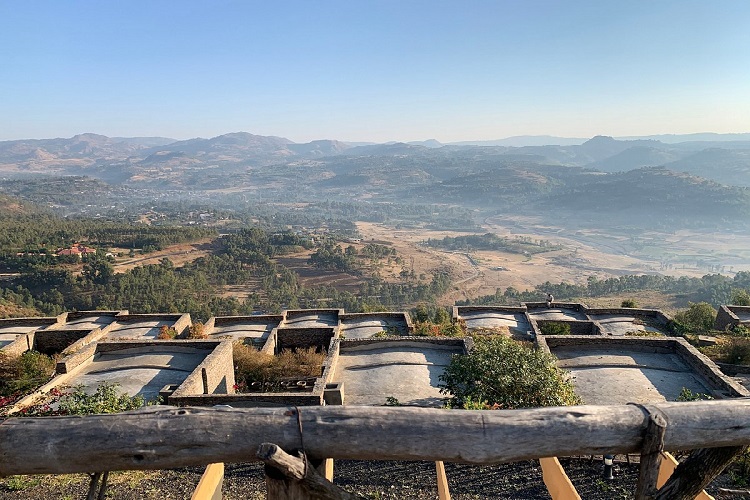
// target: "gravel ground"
[[376, 480]]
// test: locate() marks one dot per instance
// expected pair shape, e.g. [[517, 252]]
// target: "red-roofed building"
[[77, 249]]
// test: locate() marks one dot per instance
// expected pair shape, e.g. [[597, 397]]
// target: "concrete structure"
[[146, 368], [250, 329], [730, 316], [145, 326], [89, 320], [407, 369], [14, 332], [494, 319], [311, 318], [365, 325], [531, 317], [639, 370]]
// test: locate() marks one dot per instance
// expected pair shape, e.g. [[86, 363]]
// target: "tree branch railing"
[[167, 437]]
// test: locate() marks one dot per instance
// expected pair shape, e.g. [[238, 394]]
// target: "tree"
[[698, 317], [740, 297], [503, 373]]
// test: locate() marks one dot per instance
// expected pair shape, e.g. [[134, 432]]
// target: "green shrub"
[[698, 317], [732, 350], [629, 303], [25, 372], [106, 399], [555, 328], [688, 395], [503, 373]]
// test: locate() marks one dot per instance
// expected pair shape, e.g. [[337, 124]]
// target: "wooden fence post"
[[442, 482], [294, 478]]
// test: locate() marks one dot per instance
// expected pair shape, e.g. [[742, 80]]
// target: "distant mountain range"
[[241, 157], [703, 182]]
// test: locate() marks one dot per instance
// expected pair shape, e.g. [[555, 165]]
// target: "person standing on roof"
[[550, 299]]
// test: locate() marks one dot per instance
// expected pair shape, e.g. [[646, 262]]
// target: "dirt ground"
[[178, 254], [584, 253]]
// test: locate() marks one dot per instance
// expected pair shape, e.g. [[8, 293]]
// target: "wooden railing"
[[166, 437]]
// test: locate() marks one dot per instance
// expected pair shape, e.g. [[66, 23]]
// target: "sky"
[[359, 70]]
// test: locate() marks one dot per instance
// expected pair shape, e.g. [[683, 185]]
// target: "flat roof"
[[620, 375], [366, 327], [556, 313], [492, 318], [313, 319], [141, 371], [406, 370], [618, 325], [138, 329]]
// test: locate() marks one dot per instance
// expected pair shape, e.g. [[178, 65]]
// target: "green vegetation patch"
[[502, 373], [490, 241]]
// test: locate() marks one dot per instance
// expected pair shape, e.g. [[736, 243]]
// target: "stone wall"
[[290, 314], [458, 310], [180, 322], [217, 368], [293, 338], [644, 344], [248, 400], [234, 320], [19, 346], [725, 386], [397, 315], [53, 342], [726, 318]]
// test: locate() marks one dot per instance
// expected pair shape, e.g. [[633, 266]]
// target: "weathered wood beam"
[[651, 454], [164, 437], [294, 478], [695, 473]]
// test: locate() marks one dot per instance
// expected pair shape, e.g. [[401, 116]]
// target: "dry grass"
[[197, 331], [166, 333], [252, 365]]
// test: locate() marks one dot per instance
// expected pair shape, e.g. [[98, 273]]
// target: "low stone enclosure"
[[167, 368], [357, 368], [639, 370], [407, 369], [730, 316], [17, 334], [529, 319]]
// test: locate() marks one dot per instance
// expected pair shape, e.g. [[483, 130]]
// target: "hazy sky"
[[380, 70]]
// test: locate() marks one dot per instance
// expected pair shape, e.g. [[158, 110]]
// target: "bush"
[[503, 373], [25, 372], [698, 317], [251, 365], [166, 333], [739, 469], [107, 399], [740, 297], [197, 331], [555, 328], [629, 303], [732, 350]]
